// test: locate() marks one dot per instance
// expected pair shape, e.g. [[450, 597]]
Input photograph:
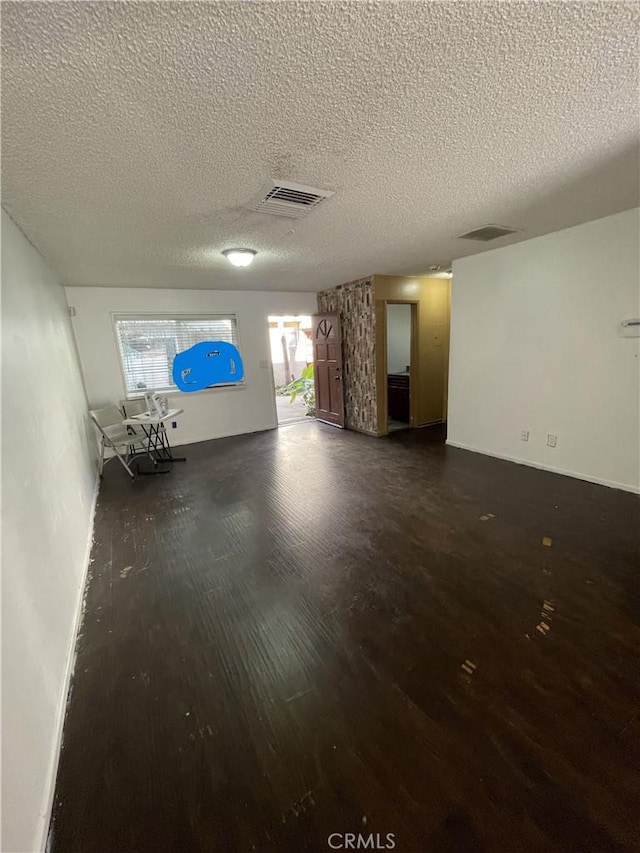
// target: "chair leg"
[[124, 464], [101, 463], [144, 450]]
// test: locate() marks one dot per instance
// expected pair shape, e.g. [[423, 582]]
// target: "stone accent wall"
[[354, 303]]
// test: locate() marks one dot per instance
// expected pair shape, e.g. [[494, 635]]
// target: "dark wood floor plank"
[[308, 631]]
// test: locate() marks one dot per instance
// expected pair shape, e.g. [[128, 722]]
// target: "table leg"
[[164, 438], [132, 456], [159, 443]]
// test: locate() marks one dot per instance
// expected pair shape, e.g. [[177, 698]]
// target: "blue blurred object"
[[207, 363]]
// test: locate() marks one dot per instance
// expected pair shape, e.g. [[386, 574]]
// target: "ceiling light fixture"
[[240, 257]]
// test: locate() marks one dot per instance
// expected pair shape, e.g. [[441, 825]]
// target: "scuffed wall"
[[354, 303], [49, 473]]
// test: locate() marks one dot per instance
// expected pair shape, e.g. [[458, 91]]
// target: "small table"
[[153, 427]]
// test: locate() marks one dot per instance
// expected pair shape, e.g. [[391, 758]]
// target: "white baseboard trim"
[[611, 484], [45, 817], [184, 441]]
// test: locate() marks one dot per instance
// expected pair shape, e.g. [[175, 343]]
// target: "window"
[[148, 344]]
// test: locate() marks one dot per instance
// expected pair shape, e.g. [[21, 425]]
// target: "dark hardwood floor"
[[310, 631]]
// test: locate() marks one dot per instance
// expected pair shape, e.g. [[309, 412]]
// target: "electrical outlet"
[[524, 435], [552, 440]]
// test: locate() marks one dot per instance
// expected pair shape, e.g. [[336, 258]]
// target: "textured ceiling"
[[134, 134]]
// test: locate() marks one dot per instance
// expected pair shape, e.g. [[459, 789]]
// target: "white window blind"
[[148, 344]]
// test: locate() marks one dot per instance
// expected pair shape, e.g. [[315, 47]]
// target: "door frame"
[[276, 422], [381, 362]]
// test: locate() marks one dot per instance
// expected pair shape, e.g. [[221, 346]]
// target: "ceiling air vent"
[[488, 232], [286, 198]]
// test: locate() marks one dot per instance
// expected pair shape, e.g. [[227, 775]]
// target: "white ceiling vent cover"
[[286, 198]]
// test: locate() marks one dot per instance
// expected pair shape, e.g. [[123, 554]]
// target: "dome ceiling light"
[[240, 257]]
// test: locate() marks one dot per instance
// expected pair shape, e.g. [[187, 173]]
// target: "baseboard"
[[71, 662], [183, 442], [431, 423], [611, 484]]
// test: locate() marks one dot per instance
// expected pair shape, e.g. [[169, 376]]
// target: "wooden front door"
[[327, 369]]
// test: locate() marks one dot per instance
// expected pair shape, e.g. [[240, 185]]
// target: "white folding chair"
[[116, 437], [138, 406], [158, 441], [131, 408]]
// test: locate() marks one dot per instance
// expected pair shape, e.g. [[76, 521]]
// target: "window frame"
[[172, 315]]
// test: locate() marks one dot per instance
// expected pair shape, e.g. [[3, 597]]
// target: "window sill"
[[174, 392]]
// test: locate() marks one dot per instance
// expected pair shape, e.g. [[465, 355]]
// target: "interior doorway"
[[292, 363], [429, 299], [400, 325]]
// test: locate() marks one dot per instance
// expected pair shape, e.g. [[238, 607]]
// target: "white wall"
[[398, 338], [208, 414], [48, 487], [535, 346]]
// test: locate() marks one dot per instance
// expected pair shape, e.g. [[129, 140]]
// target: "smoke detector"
[[488, 232], [287, 198]]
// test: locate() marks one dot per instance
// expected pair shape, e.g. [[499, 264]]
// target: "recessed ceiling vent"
[[286, 198], [488, 232]]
